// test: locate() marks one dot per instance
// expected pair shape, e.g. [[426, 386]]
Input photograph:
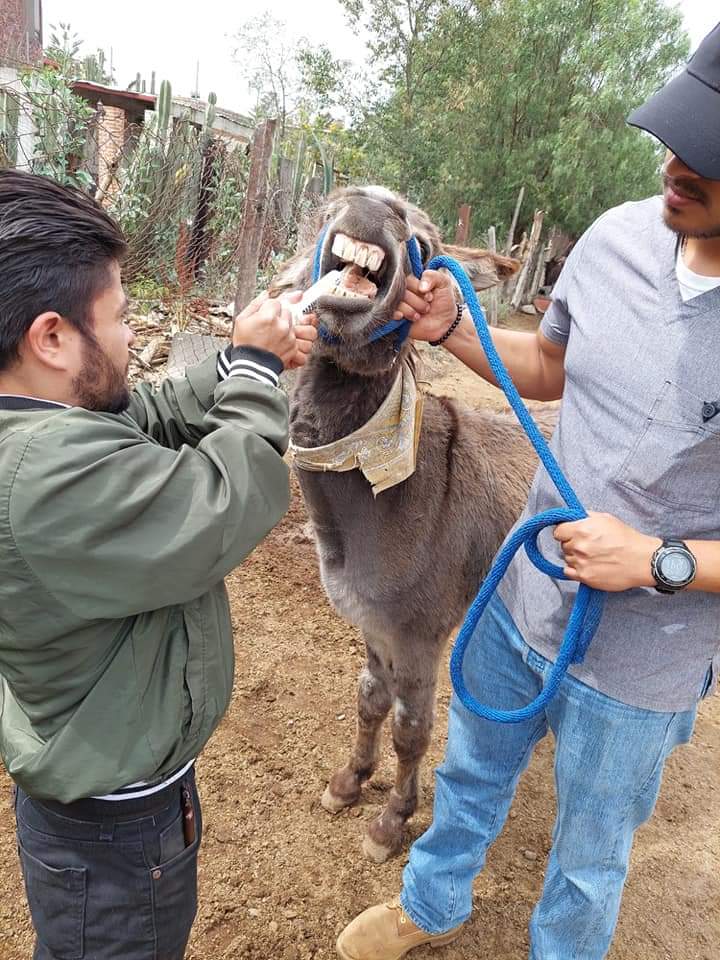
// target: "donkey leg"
[[413, 719], [374, 701]]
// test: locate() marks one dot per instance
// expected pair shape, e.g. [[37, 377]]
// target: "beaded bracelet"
[[452, 328]]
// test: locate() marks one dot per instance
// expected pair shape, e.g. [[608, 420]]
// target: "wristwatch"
[[673, 566]]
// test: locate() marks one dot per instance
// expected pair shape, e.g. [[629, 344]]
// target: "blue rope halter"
[[401, 328], [588, 606]]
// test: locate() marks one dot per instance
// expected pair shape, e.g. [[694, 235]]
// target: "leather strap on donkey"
[[588, 607]]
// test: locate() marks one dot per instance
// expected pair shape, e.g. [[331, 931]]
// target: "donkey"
[[404, 565]]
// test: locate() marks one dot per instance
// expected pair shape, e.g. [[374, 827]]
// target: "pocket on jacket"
[[195, 685], [676, 459], [57, 899]]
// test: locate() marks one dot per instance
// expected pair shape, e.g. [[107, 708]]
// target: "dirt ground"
[[279, 877]]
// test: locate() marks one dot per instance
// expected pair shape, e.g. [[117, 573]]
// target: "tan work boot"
[[386, 932]]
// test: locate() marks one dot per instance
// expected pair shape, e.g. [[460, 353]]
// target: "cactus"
[[327, 160], [300, 176], [159, 183], [210, 115], [93, 68], [163, 110], [9, 114], [212, 150]]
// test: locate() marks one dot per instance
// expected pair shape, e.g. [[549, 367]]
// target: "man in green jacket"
[[120, 514]]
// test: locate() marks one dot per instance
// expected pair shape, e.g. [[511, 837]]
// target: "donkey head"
[[365, 239]]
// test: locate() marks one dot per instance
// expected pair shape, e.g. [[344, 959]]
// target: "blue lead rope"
[[588, 607]]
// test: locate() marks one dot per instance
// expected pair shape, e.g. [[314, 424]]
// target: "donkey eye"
[[424, 249]]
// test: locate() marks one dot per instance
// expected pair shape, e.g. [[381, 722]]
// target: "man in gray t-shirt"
[[631, 345], [639, 364]]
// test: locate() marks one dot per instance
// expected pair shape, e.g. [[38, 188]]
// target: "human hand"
[[605, 553], [267, 325], [430, 303], [305, 335]]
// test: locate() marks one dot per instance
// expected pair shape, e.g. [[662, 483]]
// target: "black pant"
[[111, 880]]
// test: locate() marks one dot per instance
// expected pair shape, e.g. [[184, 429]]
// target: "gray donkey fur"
[[402, 567]]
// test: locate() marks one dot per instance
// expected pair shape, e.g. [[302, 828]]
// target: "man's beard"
[[100, 385], [709, 233], [691, 189]]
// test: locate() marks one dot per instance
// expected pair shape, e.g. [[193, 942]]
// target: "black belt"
[[119, 810]]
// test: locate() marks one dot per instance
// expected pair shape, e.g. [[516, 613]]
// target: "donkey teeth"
[[344, 248], [369, 255], [375, 260], [366, 255], [361, 255], [339, 246]]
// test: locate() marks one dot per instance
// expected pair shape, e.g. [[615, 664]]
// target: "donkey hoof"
[[333, 804], [376, 851]]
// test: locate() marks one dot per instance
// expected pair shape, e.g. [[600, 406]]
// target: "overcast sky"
[[171, 37]]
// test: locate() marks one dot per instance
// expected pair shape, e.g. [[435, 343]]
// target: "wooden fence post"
[[535, 234], [494, 294], [213, 156], [462, 232], [255, 212], [542, 259], [508, 288], [513, 225]]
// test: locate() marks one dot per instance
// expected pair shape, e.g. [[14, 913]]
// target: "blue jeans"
[[609, 759]]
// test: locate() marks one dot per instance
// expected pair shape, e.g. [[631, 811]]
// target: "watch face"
[[676, 566]]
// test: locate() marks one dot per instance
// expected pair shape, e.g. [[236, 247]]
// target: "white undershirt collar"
[[692, 284]]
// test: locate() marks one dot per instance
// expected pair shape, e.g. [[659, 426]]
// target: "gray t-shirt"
[[632, 442]]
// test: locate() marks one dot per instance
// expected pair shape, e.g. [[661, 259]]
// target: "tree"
[[64, 47], [267, 61], [292, 80], [322, 80], [61, 121], [64, 50], [483, 97], [407, 52]]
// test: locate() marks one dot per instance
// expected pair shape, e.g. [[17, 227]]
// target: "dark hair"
[[56, 248]]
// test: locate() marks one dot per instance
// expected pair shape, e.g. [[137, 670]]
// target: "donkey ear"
[[294, 274], [484, 268]]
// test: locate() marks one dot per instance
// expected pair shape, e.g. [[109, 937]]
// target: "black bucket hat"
[[685, 114]]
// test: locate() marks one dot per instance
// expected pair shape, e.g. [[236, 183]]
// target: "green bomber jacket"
[[116, 531]]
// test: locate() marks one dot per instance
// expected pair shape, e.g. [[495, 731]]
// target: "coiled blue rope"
[[588, 607]]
